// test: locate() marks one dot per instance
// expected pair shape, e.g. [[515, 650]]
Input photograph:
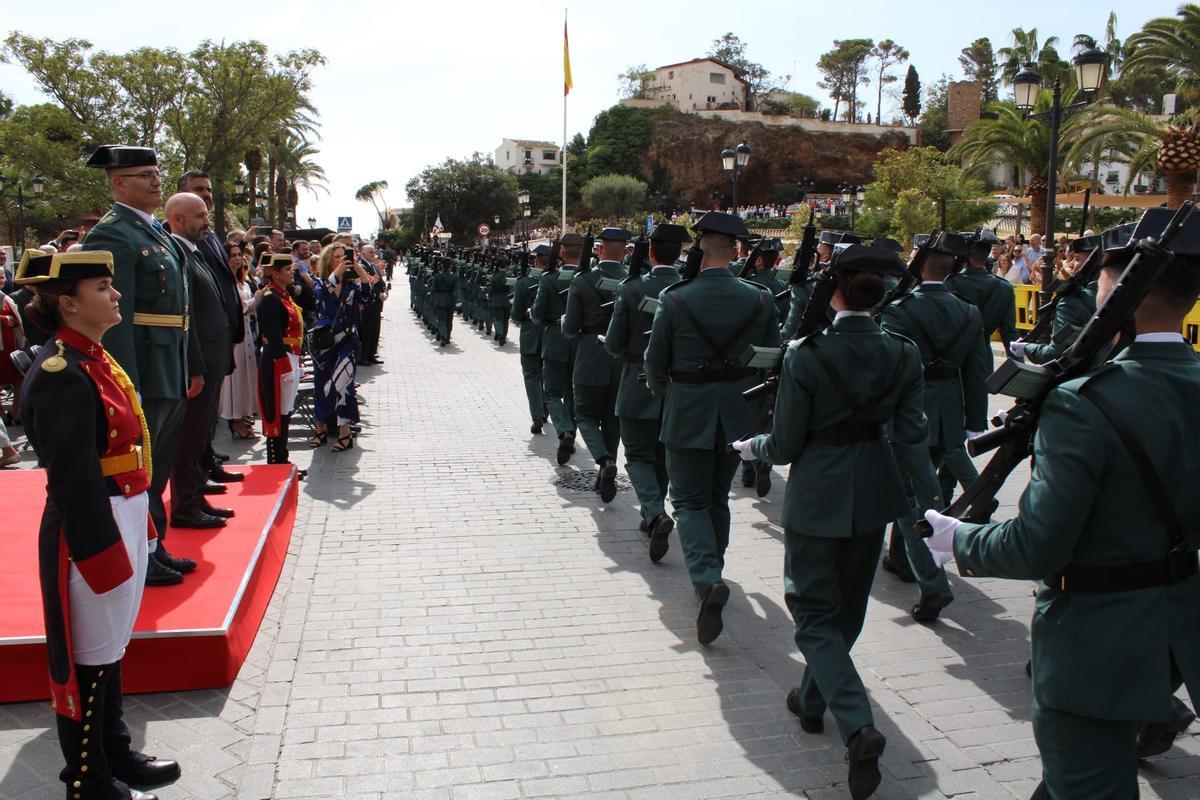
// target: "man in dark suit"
[[372, 311], [210, 357], [213, 251]]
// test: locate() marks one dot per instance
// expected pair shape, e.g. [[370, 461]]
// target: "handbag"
[[321, 336]]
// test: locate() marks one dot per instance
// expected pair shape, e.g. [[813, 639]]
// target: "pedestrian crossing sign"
[[345, 225]]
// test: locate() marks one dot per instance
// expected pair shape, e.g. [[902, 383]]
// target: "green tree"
[[910, 101], [615, 144], [910, 184], [465, 193], [844, 69], [731, 51], [1025, 49], [635, 82], [886, 55], [935, 118], [1170, 45], [611, 196], [978, 62]]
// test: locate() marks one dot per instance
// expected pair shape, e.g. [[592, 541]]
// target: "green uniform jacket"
[[627, 338], [530, 342], [1073, 311], [796, 306], [852, 489], [498, 289], [992, 295], [587, 320], [548, 308], [776, 287], [943, 324], [1105, 655], [151, 275], [723, 304], [441, 289]]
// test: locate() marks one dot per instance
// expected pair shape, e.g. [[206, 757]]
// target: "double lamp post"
[[37, 186], [733, 162]]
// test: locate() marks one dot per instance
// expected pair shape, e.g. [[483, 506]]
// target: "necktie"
[[156, 225]]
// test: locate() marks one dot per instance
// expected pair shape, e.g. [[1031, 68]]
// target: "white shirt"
[[191, 247], [841, 314], [1161, 336]]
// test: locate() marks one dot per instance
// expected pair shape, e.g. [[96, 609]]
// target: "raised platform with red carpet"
[[191, 636]]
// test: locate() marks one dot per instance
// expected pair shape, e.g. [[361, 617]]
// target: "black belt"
[[1174, 568], [934, 372], [846, 433], [712, 375], [594, 331], [634, 358]]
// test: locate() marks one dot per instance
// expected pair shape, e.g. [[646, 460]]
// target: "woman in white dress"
[[239, 392]]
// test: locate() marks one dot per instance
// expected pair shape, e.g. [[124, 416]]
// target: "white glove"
[[973, 434], [600, 337], [942, 540], [743, 448], [1017, 349], [1002, 415], [562, 321]]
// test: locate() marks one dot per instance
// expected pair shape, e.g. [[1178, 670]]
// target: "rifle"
[[1030, 384], [804, 254], [691, 266], [751, 261], [637, 259], [924, 247], [589, 244], [1086, 273]]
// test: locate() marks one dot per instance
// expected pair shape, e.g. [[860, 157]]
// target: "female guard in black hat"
[[838, 390], [86, 424]]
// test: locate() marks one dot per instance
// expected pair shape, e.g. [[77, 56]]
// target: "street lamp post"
[[523, 200], [37, 185], [852, 196], [312, 222], [734, 161], [1089, 74]]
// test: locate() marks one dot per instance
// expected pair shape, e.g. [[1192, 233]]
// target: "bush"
[[612, 196]]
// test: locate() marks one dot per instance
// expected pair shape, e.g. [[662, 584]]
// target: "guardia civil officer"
[[84, 419], [499, 297], [843, 394], [991, 294], [530, 340], [1108, 525], [639, 411], [442, 286], [758, 474], [803, 289], [955, 356], [151, 338], [701, 329], [281, 331], [597, 375], [558, 352]]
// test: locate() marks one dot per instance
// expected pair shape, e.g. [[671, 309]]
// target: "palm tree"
[[373, 193], [1147, 145], [1025, 50], [253, 160], [1171, 44], [1009, 138]]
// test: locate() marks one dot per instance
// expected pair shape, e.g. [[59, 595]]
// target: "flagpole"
[[563, 218]]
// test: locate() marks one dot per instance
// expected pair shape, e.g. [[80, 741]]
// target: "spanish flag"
[[567, 82]]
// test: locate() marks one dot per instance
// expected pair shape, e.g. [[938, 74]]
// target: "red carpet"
[[191, 636]]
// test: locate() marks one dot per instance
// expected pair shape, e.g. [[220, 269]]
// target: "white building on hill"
[[526, 155]]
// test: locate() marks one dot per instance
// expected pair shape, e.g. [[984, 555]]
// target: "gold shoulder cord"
[[126, 384], [58, 362]]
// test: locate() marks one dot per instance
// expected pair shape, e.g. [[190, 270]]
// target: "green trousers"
[[700, 493], [646, 463], [930, 577], [500, 321], [827, 583], [1084, 757], [531, 371], [596, 415], [559, 395]]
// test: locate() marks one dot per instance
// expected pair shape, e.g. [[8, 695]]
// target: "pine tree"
[[911, 99]]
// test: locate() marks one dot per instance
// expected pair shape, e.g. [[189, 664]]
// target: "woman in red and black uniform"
[[281, 333], [84, 420]]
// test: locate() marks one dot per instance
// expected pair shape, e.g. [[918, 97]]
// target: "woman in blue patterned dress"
[[342, 281]]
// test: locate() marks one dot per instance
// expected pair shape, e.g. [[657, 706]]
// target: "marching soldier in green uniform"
[[991, 294], [639, 411], [441, 300], [848, 411], [597, 375], [499, 298], [802, 289], [1107, 524], [701, 329], [755, 473], [151, 340], [558, 352], [530, 341], [955, 355]]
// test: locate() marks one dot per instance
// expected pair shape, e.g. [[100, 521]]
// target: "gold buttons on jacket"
[[111, 411], [127, 489], [112, 434]]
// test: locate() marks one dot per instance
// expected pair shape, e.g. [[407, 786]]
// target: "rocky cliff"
[[683, 152]]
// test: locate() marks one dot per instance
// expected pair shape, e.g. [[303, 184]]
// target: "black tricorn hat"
[[39, 267], [670, 232], [718, 222], [1084, 244], [887, 244], [770, 244], [542, 250], [1153, 222], [946, 242], [571, 239], [867, 258], [275, 260], [615, 235], [981, 239], [841, 237], [114, 156]]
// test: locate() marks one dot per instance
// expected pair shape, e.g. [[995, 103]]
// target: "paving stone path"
[[452, 625]]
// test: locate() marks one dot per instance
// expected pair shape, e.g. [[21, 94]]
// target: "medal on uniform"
[[56, 363]]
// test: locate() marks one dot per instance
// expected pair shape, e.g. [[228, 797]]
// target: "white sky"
[[407, 85]]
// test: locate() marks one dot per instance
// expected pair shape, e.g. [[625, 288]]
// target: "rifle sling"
[[938, 355], [719, 351], [859, 426]]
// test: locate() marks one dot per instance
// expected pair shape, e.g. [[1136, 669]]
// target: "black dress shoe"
[[536, 427], [747, 478], [223, 513], [566, 447], [181, 565], [221, 457], [196, 519], [762, 479], [807, 724], [158, 575], [211, 487], [901, 571], [608, 480], [863, 752], [930, 607], [660, 536], [708, 623], [644, 527], [146, 772], [134, 794], [222, 475], [1156, 738]]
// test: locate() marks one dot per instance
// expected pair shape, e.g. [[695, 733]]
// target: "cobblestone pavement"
[[450, 624]]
